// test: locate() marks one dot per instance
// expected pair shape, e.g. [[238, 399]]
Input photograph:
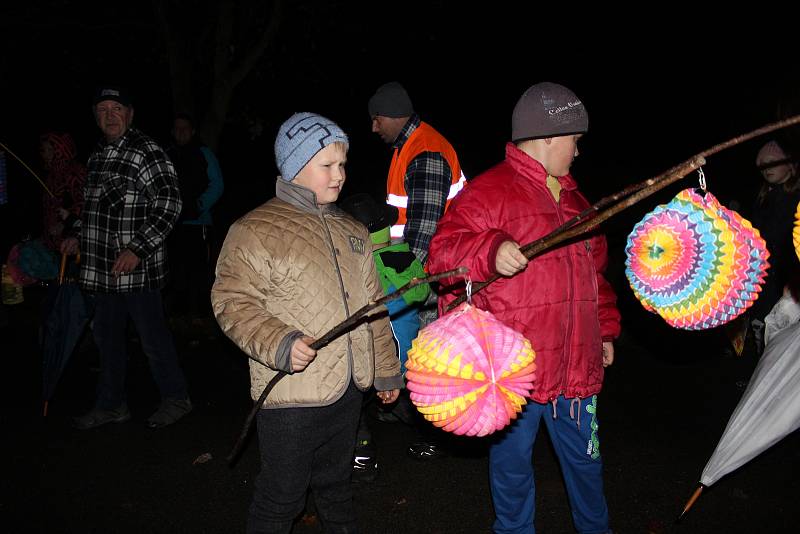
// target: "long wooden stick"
[[326, 338], [4, 147], [626, 198], [581, 223]]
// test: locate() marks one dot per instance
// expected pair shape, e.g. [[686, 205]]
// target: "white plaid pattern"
[[131, 201]]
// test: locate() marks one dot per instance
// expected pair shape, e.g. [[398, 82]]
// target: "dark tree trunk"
[[223, 65]]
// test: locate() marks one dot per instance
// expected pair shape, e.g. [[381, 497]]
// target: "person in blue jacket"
[[201, 185], [397, 266]]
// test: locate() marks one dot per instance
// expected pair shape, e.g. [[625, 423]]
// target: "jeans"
[[110, 327]]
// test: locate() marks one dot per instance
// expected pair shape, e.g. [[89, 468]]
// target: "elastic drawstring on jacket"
[[572, 411]]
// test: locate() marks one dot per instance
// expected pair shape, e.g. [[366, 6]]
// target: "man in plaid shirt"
[[424, 177], [131, 204]]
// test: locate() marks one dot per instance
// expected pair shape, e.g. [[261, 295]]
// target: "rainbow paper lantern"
[[695, 263], [468, 373], [796, 231]]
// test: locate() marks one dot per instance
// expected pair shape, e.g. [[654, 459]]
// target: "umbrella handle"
[[61, 270], [64, 265], [689, 504]]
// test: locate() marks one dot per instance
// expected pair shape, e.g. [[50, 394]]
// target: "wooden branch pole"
[[4, 147], [583, 223], [591, 217], [329, 336]]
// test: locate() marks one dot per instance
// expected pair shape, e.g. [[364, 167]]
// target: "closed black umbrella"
[[62, 331]]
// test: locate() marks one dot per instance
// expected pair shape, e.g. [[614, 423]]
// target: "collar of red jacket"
[[528, 167]]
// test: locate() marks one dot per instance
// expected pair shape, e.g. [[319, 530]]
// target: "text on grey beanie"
[[390, 100], [548, 110], [300, 137]]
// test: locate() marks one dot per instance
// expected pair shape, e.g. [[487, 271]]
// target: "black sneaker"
[[365, 466], [425, 450]]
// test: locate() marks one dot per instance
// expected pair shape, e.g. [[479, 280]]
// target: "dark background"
[[660, 85], [661, 82]]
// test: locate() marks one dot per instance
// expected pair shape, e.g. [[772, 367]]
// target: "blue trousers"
[[577, 448], [110, 327]]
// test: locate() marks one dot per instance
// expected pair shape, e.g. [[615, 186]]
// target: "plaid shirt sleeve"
[[427, 181], [157, 177]]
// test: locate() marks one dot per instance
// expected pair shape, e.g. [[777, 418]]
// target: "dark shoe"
[[170, 411], [425, 450], [365, 466], [99, 417]]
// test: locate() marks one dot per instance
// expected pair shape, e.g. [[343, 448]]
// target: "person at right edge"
[[773, 215], [559, 300]]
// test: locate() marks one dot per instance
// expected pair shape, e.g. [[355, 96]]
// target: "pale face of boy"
[[324, 174], [562, 152]]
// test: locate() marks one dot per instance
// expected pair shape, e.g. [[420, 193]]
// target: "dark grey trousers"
[[302, 448]]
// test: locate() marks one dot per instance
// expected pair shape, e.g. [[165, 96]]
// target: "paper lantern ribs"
[[796, 231], [695, 263], [468, 373]]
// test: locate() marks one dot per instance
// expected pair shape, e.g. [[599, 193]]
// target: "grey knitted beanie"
[[300, 138], [548, 110], [390, 100]]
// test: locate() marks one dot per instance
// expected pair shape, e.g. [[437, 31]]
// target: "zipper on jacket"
[[596, 288], [567, 347], [350, 365]]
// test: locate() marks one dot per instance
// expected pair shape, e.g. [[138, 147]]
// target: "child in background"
[[773, 215], [288, 272], [397, 266]]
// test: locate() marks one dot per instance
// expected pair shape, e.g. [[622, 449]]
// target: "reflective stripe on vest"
[[423, 139], [401, 202]]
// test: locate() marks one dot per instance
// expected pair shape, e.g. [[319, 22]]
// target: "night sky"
[[659, 86]]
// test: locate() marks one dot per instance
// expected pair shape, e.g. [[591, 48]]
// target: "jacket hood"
[[64, 151]]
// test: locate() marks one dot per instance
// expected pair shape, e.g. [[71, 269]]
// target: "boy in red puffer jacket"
[[559, 300]]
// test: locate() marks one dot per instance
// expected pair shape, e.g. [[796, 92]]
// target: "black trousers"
[[190, 272], [110, 326], [302, 448]]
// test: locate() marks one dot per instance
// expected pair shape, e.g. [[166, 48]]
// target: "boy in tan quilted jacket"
[[288, 272]]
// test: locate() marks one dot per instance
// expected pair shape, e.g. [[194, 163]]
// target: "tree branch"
[[252, 57]]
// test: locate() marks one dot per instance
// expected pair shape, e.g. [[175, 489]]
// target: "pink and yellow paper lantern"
[[796, 231], [696, 263], [468, 373]]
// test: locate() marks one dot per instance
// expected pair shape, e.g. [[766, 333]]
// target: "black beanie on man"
[[390, 100], [548, 110]]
